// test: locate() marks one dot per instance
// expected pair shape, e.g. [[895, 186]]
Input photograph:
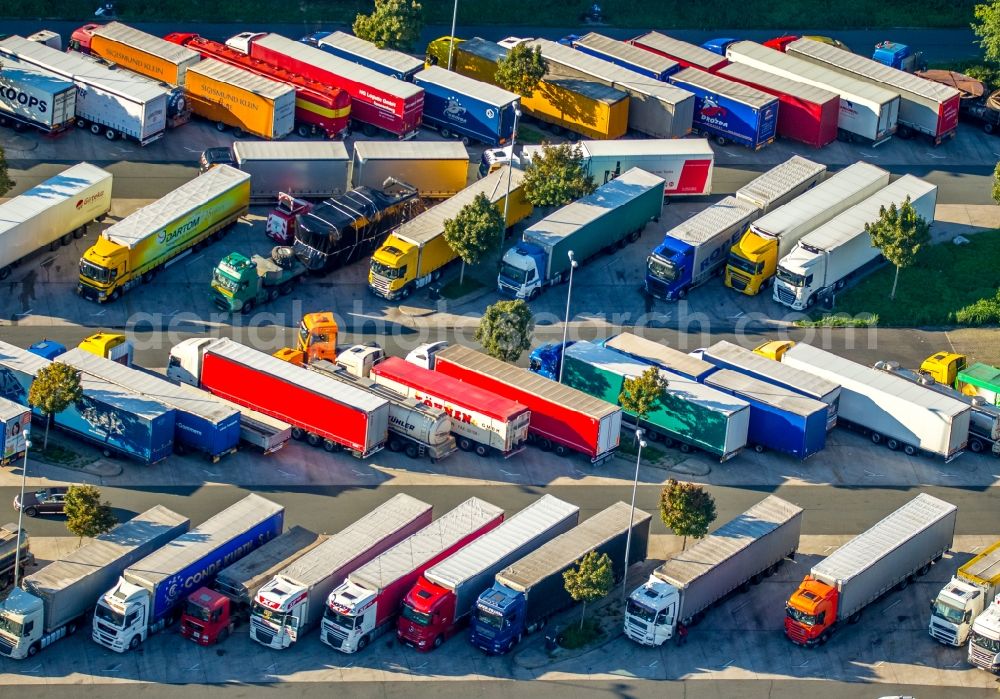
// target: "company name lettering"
[[24, 99], [90, 200], [715, 121], [403, 424], [166, 237], [227, 97], [133, 60], [378, 99], [453, 413], [180, 585]]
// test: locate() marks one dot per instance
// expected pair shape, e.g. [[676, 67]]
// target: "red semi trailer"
[[377, 101], [321, 410], [562, 418], [806, 113], [318, 106], [688, 55]]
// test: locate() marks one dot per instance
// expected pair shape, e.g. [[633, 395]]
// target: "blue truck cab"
[[545, 359], [47, 349], [314, 38], [523, 271], [668, 269], [898, 56], [498, 620], [719, 46]]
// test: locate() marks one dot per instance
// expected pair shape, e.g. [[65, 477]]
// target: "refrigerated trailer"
[[309, 170]]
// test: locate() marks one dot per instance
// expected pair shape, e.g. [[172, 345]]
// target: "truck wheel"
[[223, 635], [272, 294], [686, 448], [634, 236], [81, 124], [54, 245], [876, 438], [247, 307], [892, 444], [5, 272], [909, 450], [823, 638], [561, 450], [298, 433], [286, 288], [395, 444], [369, 130], [534, 294], [466, 141], [220, 127], [313, 440], [445, 133], [66, 239], [438, 641], [903, 584], [110, 134], [720, 140], [545, 444], [811, 301], [405, 292], [759, 448], [482, 450], [988, 127], [329, 445], [682, 294], [71, 628], [362, 643], [465, 444], [302, 130], [32, 650], [95, 129], [134, 643], [412, 451], [115, 295], [975, 446], [924, 570], [855, 618]]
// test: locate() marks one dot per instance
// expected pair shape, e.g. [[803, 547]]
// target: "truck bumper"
[[90, 293]]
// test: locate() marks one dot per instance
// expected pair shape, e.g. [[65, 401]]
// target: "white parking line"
[[892, 605], [194, 259]]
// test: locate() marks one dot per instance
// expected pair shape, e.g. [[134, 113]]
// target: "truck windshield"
[[10, 626], [488, 619], [384, 270], [990, 644], [637, 610], [224, 282], [89, 270], [269, 615], [416, 617], [514, 274], [800, 616], [744, 265], [661, 269], [106, 613], [196, 611], [341, 620], [948, 612], [791, 278]]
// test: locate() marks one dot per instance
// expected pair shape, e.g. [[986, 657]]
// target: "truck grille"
[[335, 637], [784, 295], [738, 281], [982, 658], [6, 647], [262, 633], [943, 635], [87, 292], [796, 634]]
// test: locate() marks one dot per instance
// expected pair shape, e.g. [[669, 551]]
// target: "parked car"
[[47, 501]]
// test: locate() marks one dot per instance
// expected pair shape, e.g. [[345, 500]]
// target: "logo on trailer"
[[713, 113], [23, 99], [80, 203]]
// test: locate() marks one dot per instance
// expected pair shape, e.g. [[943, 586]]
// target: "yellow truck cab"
[[113, 346], [437, 51], [943, 367], [755, 256], [774, 349]]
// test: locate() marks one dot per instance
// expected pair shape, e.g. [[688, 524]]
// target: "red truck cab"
[[428, 615], [207, 617], [79, 40], [280, 225], [810, 612]]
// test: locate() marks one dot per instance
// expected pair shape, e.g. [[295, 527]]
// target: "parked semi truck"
[[130, 48], [890, 554], [984, 641], [212, 613], [686, 55], [690, 415], [135, 249], [294, 601], [52, 212], [436, 169], [868, 113], [694, 251], [321, 411], [416, 252], [658, 354], [622, 54], [563, 419], [150, 593], [729, 111], [56, 600], [528, 592], [824, 260], [925, 107], [753, 260], [739, 553], [615, 214], [15, 424], [887, 408], [309, 170], [395, 64], [368, 602], [12, 539], [481, 421], [444, 597], [465, 108], [145, 428], [968, 594], [37, 98], [109, 102]]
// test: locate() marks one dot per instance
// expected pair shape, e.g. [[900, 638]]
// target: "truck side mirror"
[[932, 605], [968, 615]]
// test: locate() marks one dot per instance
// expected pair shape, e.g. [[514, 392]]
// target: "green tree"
[[687, 509], [476, 230], [521, 70], [590, 580], [86, 515], [640, 395], [505, 330], [996, 184], [394, 24], [55, 388], [557, 176], [899, 234], [5, 182], [987, 28]]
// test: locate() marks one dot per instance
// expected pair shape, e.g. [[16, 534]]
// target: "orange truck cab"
[[208, 617], [810, 612], [317, 339]]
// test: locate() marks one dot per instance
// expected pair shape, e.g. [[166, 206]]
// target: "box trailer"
[[136, 50], [437, 169], [446, 593], [655, 108], [868, 112], [742, 550], [689, 415], [616, 212], [395, 64], [626, 55], [562, 418], [294, 601], [307, 170], [886, 407], [231, 96], [57, 599], [321, 410], [780, 419], [150, 593], [202, 423], [108, 101], [31, 96], [806, 113], [481, 421], [377, 101], [895, 550], [115, 420], [727, 355], [687, 55], [52, 212], [15, 423], [728, 111], [469, 109], [925, 106], [753, 259], [826, 258], [658, 354], [527, 593], [782, 183]]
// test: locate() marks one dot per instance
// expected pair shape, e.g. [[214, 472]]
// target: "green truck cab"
[[240, 283]]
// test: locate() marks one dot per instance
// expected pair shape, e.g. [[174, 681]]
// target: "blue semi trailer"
[[459, 106], [728, 111], [647, 63], [395, 64]]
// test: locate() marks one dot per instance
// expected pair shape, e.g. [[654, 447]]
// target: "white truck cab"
[[184, 364], [953, 611], [519, 274], [796, 283], [279, 612], [120, 619], [22, 625], [984, 641], [349, 618], [651, 612], [359, 359], [423, 355]]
